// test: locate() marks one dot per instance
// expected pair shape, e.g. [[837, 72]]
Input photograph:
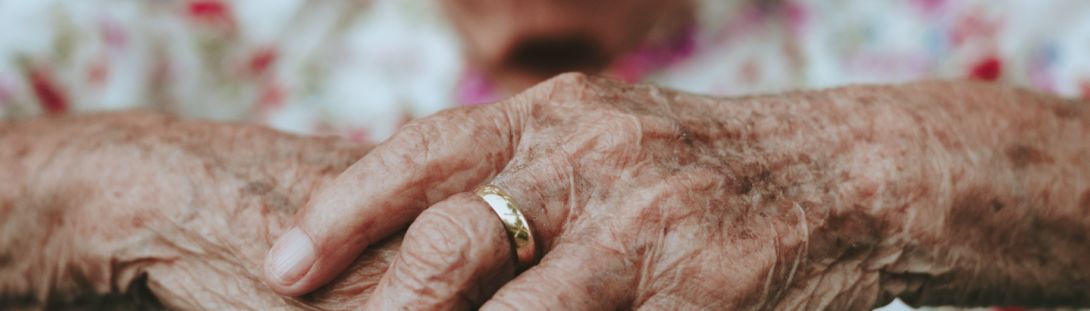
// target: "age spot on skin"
[[708, 131], [752, 175], [6, 259], [805, 159], [256, 188], [1084, 201], [686, 137], [991, 225], [1022, 156], [866, 100], [1069, 111], [747, 234], [745, 186], [272, 200], [280, 203]]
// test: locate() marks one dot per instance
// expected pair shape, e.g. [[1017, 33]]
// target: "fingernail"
[[291, 257]]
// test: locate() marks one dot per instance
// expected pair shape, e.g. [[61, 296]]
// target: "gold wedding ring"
[[513, 221]]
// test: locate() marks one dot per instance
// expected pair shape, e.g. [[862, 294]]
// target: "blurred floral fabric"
[[360, 69]]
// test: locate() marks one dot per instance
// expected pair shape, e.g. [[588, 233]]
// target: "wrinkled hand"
[[194, 206], [639, 197]]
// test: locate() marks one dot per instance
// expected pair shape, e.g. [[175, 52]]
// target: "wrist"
[[977, 211], [30, 213]]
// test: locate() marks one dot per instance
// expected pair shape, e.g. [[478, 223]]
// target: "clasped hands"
[[638, 197]]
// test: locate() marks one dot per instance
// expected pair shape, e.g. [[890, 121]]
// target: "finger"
[[423, 163], [454, 257], [570, 278]]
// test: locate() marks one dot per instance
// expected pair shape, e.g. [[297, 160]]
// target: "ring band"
[[513, 221]]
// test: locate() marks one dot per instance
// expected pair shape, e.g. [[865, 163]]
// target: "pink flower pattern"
[[358, 69]]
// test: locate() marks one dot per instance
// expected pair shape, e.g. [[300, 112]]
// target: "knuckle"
[[571, 88], [570, 79], [416, 142], [445, 119], [436, 241], [614, 130], [452, 114], [419, 282], [411, 142]]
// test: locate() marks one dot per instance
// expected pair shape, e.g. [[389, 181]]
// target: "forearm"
[[943, 194], [193, 205], [997, 206], [27, 217]]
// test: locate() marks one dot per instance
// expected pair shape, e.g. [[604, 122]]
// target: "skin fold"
[[941, 193]]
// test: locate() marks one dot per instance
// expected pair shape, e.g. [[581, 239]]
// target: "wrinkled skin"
[[192, 205], [639, 197], [647, 198]]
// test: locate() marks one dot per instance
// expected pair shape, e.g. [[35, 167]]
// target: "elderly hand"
[[646, 198], [191, 206]]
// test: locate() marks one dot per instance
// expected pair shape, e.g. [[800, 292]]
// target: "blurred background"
[[360, 69]]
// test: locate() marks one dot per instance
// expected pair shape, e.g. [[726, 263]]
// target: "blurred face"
[[522, 42]]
